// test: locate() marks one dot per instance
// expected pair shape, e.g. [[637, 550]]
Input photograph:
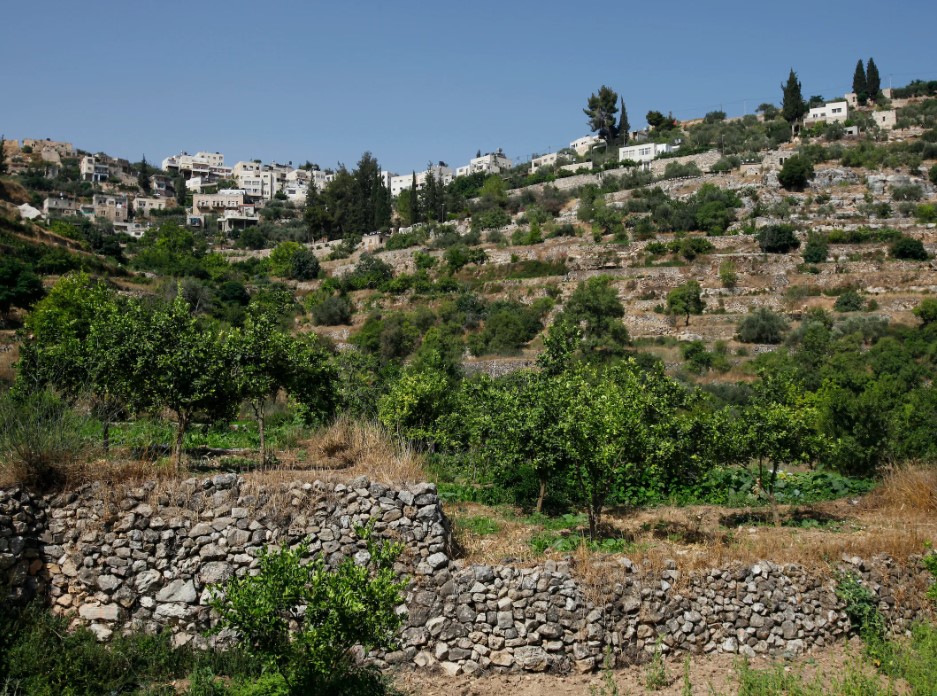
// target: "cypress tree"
[[793, 106], [414, 202], [873, 81], [430, 202], [143, 176], [3, 156], [859, 84], [624, 128], [180, 191]]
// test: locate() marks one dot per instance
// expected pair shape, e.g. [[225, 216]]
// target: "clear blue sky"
[[418, 81]]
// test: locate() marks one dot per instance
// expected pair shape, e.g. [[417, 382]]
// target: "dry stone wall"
[[145, 557]]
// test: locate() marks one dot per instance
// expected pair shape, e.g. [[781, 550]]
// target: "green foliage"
[[601, 109], [685, 300], [926, 213], [19, 285], [908, 248], [337, 609], [762, 326], [332, 311], [849, 301], [817, 248], [793, 106], [728, 275], [41, 439], [415, 402], [863, 235], [508, 326], [796, 173], [926, 311], [932, 174], [369, 272], [861, 606], [594, 306], [777, 239], [405, 240]]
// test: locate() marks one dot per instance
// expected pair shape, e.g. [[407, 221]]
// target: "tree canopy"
[[601, 109]]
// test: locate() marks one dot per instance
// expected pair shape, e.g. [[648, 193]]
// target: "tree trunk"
[[259, 409], [182, 423], [543, 493]]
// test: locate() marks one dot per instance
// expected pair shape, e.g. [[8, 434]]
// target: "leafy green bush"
[[796, 173], [777, 239], [926, 213], [863, 235], [849, 301], [817, 248], [333, 310], [762, 326], [908, 248], [335, 610]]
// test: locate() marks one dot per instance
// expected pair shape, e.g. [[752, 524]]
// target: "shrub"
[[40, 440], [908, 248], [909, 192], [762, 326], [727, 274], [333, 610], [932, 175], [796, 173], [817, 249], [332, 311], [777, 239], [926, 213], [849, 301], [304, 265]]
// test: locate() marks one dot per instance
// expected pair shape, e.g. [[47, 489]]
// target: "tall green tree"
[[624, 127], [182, 367], [595, 308], [258, 356], [68, 343], [143, 176], [873, 80], [414, 199], [793, 106], [180, 189], [685, 300], [316, 218], [859, 84], [601, 109], [620, 429], [431, 196], [3, 156]]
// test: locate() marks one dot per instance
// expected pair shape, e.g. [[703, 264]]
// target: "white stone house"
[[583, 145], [490, 163], [644, 152], [834, 112]]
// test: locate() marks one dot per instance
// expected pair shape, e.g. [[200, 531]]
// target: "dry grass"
[[353, 448], [898, 519], [906, 489]]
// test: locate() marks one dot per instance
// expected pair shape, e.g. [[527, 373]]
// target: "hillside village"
[[661, 398]]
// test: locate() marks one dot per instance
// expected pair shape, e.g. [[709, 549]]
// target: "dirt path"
[[710, 674]]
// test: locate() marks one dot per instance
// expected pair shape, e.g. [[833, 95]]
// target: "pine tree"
[[624, 128], [859, 84], [414, 202], [143, 176], [3, 156], [601, 109], [793, 106], [873, 80]]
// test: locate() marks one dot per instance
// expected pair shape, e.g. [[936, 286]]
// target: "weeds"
[[655, 674]]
